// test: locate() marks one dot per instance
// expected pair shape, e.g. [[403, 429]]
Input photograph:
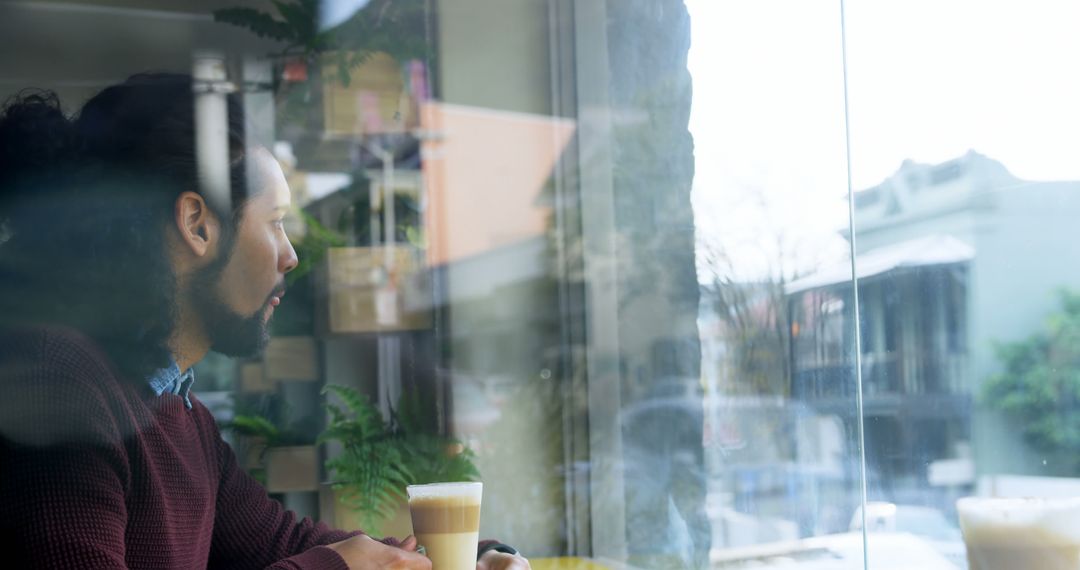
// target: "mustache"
[[279, 291]]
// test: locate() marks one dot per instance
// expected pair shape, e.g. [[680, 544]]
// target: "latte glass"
[[446, 522]]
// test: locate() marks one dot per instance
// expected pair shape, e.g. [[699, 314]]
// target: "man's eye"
[[279, 223]]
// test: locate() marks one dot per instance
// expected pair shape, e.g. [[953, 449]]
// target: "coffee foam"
[[445, 507], [471, 490], [1059, 516]]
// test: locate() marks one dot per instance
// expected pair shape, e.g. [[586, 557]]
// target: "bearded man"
[[117, 275]]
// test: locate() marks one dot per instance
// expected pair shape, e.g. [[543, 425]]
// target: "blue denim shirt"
[[172, 381]]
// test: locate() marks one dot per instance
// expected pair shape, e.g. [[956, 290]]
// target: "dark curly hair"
[[84, 205]]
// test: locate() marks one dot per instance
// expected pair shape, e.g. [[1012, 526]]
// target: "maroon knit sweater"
[[97, 472]]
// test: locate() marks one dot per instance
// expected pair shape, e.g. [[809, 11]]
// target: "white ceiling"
[[76, 48]]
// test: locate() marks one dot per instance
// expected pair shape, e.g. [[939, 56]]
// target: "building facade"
[[939, 251]]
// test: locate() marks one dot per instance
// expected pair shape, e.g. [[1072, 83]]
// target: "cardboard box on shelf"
[[376, 100], [292, 359], [290, 469], [253, 379], [365, 296], [251, 450]]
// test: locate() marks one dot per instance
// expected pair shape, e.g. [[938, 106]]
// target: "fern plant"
[[254, 426], [430, 458], [261, 427], [312, 247], [381, 457]]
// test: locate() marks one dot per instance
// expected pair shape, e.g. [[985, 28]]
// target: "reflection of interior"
[[59, 45], [440, 193], [354, 148], [498, 159], [490, 149]]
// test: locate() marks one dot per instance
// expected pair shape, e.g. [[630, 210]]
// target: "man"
[[117, 275]]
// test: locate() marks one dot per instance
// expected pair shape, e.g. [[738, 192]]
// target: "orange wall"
[[484, 172]]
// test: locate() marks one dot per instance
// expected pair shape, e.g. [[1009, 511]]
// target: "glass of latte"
[[1010, 534], [446, 521]]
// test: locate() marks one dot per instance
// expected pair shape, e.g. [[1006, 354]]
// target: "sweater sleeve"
[[253, 531], [65, 470]]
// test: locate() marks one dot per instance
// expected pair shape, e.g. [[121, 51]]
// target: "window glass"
[[685, 283], [967, 143], [782, 451]]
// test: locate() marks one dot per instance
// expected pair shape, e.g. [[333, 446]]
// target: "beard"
[[230, 332]]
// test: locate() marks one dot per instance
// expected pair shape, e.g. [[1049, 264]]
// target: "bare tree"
[[751, 304]]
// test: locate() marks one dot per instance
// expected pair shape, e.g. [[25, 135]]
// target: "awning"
[[920, 252]]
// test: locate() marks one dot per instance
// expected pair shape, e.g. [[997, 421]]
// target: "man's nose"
[[289, 260]]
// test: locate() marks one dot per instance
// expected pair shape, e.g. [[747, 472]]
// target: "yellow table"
[[565, 563]]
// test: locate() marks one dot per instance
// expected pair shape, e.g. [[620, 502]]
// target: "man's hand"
[[365, 553], [493, 560]]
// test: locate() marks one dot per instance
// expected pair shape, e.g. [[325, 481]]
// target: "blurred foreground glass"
[[1034, 534]]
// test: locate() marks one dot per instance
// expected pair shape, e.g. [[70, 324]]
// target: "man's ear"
[[198, 226]]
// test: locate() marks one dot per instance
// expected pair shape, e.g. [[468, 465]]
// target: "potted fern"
[[380, 457]]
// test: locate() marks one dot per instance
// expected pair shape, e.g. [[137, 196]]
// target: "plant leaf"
[[260, 23], [254, 426]]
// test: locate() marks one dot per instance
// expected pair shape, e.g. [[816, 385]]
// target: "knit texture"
[[100, 472]]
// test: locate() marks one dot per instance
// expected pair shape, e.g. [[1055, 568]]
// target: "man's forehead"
[[268, 183]]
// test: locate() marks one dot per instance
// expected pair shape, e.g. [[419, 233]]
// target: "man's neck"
[[187, 351], [189, 342], [185, 362]]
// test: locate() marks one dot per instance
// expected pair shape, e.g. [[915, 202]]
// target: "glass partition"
[[963, 163]]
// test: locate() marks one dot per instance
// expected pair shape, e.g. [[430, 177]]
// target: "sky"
[[927, 80]]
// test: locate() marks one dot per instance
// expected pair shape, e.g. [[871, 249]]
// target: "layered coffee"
[[446, 521], [1032, 534]]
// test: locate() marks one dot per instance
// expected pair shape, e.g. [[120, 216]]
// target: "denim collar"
[[170, 380]]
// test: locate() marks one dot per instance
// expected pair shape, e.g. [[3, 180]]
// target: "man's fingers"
[[362, 552], [502, 561], [410, 560]]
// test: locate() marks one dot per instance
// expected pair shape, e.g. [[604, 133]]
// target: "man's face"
[[235, 297]]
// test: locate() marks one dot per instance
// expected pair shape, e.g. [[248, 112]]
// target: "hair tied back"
[[37, 142]]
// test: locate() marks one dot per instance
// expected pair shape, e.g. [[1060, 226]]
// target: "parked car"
[[925, 522], [887, 551]]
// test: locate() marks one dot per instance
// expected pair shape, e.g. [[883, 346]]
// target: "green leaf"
[[343, 71], [254, 426], [295, 15], [262, 24], [311, 248], [1039, 386]]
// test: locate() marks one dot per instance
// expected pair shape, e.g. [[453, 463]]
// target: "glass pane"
[[963, 159], [781, 432]]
